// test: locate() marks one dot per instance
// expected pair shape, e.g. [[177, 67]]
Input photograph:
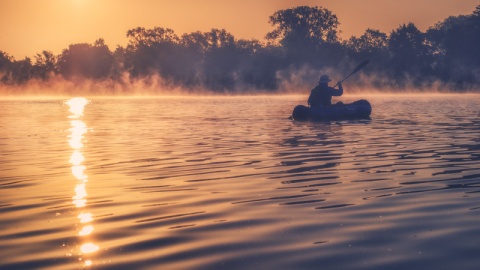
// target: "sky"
[[28, 27]]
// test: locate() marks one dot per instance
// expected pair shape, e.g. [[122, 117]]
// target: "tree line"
[[304, 43]]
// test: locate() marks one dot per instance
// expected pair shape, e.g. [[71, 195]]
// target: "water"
[[231, 183]]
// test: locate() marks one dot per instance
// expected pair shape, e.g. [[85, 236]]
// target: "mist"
[[290, 59]]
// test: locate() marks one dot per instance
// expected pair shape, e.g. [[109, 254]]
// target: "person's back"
[[321, 95]]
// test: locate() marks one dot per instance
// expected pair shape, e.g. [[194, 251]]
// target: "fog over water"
[[304, 43]]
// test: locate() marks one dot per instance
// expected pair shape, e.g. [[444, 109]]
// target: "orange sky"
[[28, 27]]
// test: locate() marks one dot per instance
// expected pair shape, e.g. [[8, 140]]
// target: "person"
[[321, 95]]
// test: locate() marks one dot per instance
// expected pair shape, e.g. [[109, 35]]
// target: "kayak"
[[360, 109]]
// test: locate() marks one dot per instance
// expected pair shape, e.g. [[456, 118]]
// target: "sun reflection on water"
[[89, 248], [87, 230], [79, 200], [77, 104], [85, 217], [78, 172], [76, 137]]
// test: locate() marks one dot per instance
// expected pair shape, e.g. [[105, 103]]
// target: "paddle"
[[358, 68]]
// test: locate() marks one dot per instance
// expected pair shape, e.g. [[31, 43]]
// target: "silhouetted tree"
[[5, 67], [87, 61], [303, 24], [303, 31], [410, 55], [259, 66], [150, 51], [150, 37], [221, 60], [118, 65], [44, 65], [372, 44], [302, 38], [457, 55], [102, 60], [22, 71], [74, 61]]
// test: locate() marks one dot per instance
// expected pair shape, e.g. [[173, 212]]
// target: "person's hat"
[[324, 79]]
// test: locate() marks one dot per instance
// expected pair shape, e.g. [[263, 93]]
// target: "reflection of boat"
[[360, 109]]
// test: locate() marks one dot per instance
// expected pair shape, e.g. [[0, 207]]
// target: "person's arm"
[[338, 92]]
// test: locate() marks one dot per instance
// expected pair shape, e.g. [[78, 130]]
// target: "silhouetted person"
[[321, 95]]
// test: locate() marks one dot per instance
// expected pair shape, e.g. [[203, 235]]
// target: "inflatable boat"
[[360, 109]]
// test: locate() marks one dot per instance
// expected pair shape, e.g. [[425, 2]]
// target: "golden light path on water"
[[76, 136]]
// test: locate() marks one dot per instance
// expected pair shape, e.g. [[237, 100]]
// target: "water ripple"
[[205, 188]]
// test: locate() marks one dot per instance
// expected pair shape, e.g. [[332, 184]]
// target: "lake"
[[231, 183]]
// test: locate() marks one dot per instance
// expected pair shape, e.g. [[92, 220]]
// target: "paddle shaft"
[[358, 68]]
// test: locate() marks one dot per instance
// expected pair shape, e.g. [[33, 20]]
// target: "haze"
[[30, 26]]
